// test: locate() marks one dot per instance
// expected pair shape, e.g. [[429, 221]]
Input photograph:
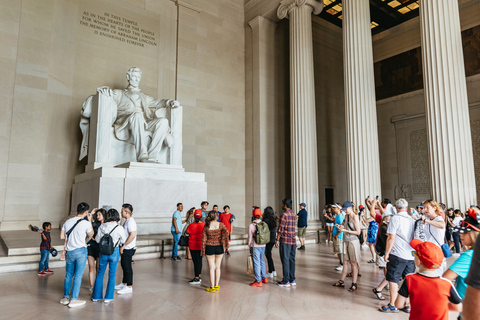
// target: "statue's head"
[[134, 75]]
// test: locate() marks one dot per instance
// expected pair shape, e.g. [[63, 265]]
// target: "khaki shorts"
[[337, 246], [301, 232], [351, 251]]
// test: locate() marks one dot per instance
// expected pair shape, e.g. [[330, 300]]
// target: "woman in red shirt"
[[195, 232]]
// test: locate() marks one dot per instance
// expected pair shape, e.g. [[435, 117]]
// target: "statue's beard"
[[133, 87]]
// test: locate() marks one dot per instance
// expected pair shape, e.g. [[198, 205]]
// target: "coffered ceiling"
[[384, 14]]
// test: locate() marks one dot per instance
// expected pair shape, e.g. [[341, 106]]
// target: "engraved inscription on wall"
[[475, 127], [118, 28], [419, 160]]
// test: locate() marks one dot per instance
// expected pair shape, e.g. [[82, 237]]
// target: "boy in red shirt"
[[430, 296], [227, 219]]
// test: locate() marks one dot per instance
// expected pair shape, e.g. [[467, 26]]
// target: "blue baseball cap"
[[346, 205], [303, 204]]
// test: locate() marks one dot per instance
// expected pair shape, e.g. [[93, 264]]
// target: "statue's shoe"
[[148, 160]]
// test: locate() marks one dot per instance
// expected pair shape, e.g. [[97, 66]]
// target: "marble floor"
[[161, 291]]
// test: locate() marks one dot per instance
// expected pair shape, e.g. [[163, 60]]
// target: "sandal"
[[388, 309], [405, 309], [378, 294], [339, 283], [371, 261], [353, 288]]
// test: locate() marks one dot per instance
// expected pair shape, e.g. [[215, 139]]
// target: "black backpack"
[[106, 243]]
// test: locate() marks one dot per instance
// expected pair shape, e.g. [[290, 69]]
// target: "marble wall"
[[54, 54], [401, 120]]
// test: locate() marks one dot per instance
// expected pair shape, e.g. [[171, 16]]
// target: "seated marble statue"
[[139, 119]]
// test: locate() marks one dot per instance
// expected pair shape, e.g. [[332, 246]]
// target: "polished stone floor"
[[161, 291]]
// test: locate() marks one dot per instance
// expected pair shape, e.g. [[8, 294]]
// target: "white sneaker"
[[274, 273], [339, 267], [270, 275], [120, 286], [91, 290], [76, 303], [331, 241], [326, 241], [65, 301], [107, 301], [125, 290]]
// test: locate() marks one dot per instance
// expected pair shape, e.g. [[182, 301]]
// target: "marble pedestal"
[[152, 189]]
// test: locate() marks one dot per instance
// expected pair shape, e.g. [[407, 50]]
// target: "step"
[[140, 242]]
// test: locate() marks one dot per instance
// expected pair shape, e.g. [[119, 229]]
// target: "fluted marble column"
[[363, 158], [265, 184], [452, 173], [302, 103]]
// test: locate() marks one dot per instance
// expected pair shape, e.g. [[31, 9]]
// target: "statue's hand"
[[105, 90], [173, 103]]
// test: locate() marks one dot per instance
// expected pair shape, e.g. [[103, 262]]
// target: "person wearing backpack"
[[74, 231], [109, 236], [258, 237]]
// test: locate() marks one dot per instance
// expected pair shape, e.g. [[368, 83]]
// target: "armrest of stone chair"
[[103, 113], [176, 123]]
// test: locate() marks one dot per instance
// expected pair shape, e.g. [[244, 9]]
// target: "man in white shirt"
[[75, 230], [398, 252], [127, 250]]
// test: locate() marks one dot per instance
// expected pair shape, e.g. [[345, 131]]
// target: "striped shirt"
[[286, 230]]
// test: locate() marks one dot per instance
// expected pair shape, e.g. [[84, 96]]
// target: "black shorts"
[[398, 268], [211, 250], [93, 252]]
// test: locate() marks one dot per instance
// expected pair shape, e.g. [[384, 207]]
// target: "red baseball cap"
[[198, 213], [428, 253], [360, 207], [257, 213]]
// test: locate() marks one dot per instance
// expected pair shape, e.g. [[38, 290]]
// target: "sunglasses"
[[467, 227]]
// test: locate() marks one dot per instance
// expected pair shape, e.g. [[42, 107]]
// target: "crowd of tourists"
[[404, 240], [409, 244]]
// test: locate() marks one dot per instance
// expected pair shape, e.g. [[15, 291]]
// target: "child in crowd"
[[429, 294], [45, 247]]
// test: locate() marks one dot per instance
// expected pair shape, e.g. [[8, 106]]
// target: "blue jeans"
[[287, 256], [112, 262], [259, 263], [76, 261], [176, 238], [44, 256]]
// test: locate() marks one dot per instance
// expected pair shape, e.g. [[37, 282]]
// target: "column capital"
[[258, 20], [287, 5]]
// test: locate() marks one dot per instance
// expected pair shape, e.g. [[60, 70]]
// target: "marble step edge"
[[146, 242], [35, 257], [54, 264]]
